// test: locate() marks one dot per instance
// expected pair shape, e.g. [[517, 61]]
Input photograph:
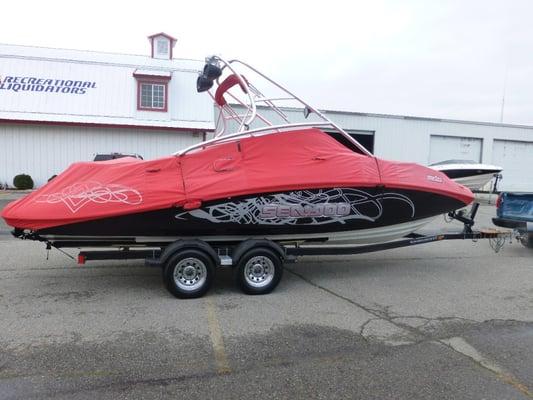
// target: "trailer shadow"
[[224, 282], [359, 267]]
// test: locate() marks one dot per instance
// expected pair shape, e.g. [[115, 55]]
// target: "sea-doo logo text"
[[305, 211], [434, 178]]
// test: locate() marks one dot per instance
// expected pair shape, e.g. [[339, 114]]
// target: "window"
[[152, 90], [162, 46], [152, 95]]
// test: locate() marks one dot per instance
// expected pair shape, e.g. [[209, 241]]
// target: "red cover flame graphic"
[[78, 195]]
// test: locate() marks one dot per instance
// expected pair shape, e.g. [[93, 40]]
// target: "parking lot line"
[[221, 359], [461, 346]]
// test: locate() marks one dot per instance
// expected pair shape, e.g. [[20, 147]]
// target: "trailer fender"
[[180, 245]]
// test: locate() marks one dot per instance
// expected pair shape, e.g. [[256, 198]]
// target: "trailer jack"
[[467, 218]]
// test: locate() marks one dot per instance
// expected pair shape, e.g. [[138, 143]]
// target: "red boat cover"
[[303, 159]]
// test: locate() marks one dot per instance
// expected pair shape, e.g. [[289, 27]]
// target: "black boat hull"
[[360, 215]]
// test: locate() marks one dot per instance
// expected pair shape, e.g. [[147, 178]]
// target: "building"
[[60, 106], [429, 140]]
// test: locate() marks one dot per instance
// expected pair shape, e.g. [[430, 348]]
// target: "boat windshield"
[[263, 107]]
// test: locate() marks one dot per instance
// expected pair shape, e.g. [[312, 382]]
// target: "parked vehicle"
[[515, 210], [114, 156], [251, 199]]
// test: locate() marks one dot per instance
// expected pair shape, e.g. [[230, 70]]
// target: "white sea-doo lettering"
[[305, 211]]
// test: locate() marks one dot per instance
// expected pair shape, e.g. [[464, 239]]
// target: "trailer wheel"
[[189, 274], [527, 240], [259, 271]]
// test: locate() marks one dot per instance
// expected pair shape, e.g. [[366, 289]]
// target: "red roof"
[[163, 34]]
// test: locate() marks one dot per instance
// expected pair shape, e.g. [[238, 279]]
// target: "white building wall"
[[408, 139], [44, 150]]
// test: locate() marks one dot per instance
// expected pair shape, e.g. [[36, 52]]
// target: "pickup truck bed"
[[515, 210]]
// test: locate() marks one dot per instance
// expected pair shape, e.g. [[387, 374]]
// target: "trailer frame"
[[259, 262]]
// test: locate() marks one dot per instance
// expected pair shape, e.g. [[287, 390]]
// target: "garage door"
[[516, 158], [454, 148]]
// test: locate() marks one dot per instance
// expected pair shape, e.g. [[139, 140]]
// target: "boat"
[[469, 173], [270, 178]]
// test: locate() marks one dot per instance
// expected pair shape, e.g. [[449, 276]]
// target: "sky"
[[445, 59]]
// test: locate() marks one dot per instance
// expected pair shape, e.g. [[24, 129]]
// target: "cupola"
[[162, 45]]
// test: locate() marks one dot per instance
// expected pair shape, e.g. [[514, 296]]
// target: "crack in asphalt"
[[379, 314], [363, 327], [383, 313]]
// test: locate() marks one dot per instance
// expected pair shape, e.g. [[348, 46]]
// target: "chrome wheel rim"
[[190, 274], [259, 271]]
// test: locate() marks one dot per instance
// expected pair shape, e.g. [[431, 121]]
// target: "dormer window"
[[162, 45]]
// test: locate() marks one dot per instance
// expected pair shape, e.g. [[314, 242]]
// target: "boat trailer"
[[259, 262]]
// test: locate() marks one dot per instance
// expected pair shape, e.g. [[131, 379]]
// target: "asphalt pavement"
[[446, 320]]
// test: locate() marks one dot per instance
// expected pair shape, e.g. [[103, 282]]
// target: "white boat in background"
[[469, 173]]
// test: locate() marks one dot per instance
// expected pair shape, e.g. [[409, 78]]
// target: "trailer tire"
[[259, 271], [189, 273], [527, 240]]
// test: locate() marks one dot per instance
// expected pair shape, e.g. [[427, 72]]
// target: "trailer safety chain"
[[496, 243], [49, 247], [447, 218]]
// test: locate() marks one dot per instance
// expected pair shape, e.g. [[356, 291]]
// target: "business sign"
[[66, 88], [45, 85]]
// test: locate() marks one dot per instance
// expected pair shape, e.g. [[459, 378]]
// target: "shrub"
[[23, 182]]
